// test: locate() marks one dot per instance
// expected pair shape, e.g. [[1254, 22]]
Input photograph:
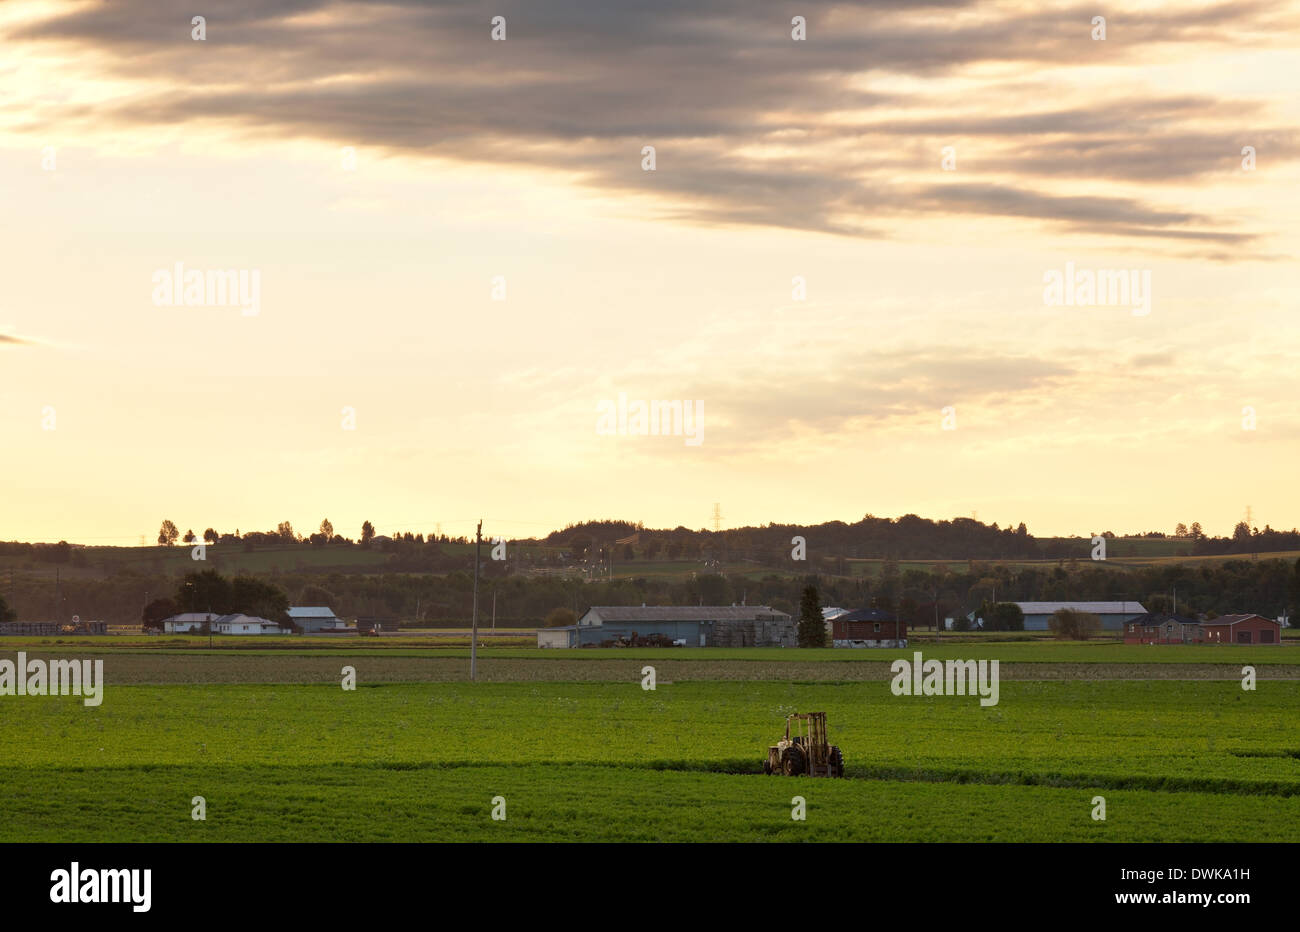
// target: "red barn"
[[1241, 629], [868, 627]]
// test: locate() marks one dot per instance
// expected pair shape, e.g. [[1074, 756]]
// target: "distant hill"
[[906, 538]]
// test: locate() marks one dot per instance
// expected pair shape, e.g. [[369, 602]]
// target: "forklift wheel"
[[793, 762], [836, 762]]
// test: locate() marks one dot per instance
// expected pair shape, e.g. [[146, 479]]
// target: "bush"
[[1004, 616], [561, 617], [1069, 625]]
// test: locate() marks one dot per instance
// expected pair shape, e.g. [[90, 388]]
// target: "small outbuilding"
[[868, 627], [311, 619], [566, 636]]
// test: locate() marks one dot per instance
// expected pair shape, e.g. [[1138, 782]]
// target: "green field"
[[1028, 651], [298, 758]]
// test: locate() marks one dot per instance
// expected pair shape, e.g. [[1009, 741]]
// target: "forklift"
[[806, 753]]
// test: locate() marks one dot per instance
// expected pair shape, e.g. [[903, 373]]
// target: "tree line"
[[829, 545], [906, 538], [1265, 587]]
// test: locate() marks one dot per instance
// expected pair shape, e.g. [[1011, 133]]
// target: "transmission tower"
[[717, 517]]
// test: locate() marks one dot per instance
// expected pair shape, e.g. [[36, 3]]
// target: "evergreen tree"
[[812, 627]]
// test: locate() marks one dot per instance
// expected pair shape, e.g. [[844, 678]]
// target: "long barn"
[[1113, 615], [691, 625]]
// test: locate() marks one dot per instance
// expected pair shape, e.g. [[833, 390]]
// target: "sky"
[[840, 262]]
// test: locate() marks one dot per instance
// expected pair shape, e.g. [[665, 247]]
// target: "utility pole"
[[473, 638], [494, 609]]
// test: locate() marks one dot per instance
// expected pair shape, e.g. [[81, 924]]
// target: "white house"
[[245, 624], [187, 622], [238, 623], [315, 618]]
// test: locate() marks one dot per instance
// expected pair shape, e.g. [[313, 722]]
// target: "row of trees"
[[907, 538], [284, 533], [921, 597], [169, 534]]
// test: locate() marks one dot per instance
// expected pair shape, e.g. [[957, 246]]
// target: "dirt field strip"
[[133, 668]]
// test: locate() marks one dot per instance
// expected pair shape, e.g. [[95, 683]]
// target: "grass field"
[[95, 562], [281, 752], [1026, 651]]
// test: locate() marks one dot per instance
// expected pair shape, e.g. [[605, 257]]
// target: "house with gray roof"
[[239, 623], [188, 622], [236, 623]]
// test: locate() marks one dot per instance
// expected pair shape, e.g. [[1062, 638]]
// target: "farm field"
[[1121, 555], [1177, 760], [1019, 651], [685, 569], [126, 668], [93, 562], [583, 803]]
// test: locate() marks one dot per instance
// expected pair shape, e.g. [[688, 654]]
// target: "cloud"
[[1096, 214], [839, 134], [831, 402], [875, 387]]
